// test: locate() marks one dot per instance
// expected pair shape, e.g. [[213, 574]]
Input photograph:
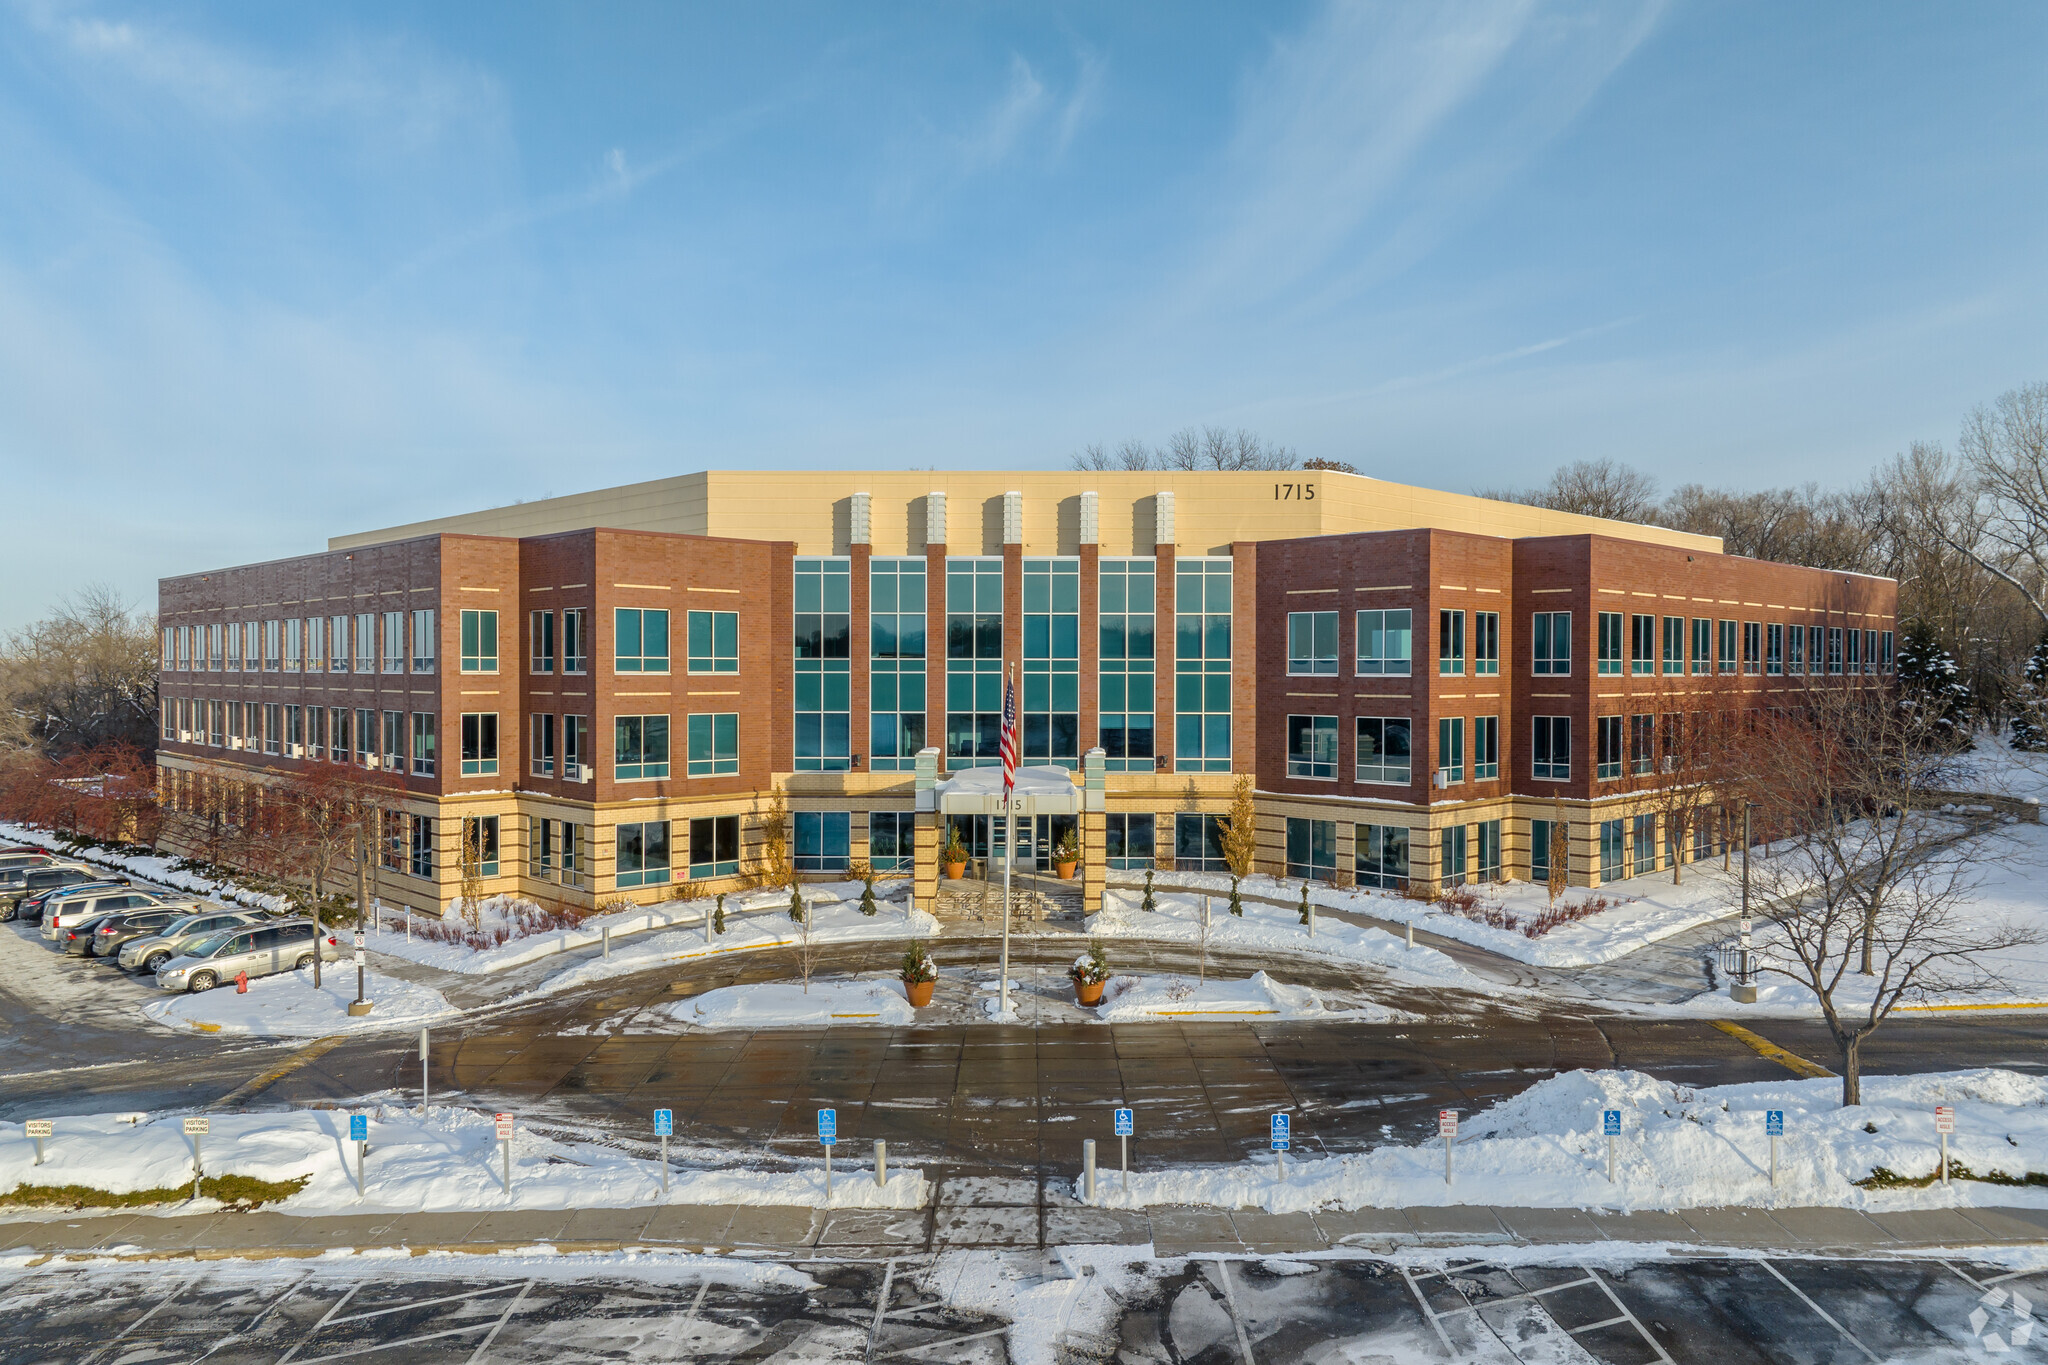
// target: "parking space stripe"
[[348, 1294], [1629, 1314], [881, 1306], [423, 1303], [1244, 1345], [1428, 1312], [404, 1341], [159, 1305], [1510, 1298], [476, 1356], [1825, 1316]]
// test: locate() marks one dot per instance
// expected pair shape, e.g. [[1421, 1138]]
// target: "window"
[[1726, 658], [423, 743], [1613, 852], [1485, 642], [1125, 625], [822, 626], [1128, 839], [1488, 838], [480, 845], [479, 744], [824, 840], [1703, 836], [422, 859], [316, 644], [1815, 648], [1609, 757], [366, 736], [339, 732], [896, 663], [892, 839], [1485, 748], [1642, 644], [1887, 656], [540, 642], [337, 645], [1383, 752], [575, 640], [1312, 746], [1312, 849], [1385, 643], [1834, 649], [423, 650], [1674, 644], [1550, 636], [1450, 643], [1050, 722], [1645, 839], [294, 643], [1451, 855], [714, 744], [1795, 659], [639, 747], [394, 642], [169, 717], [1311, 643], [1752, 646], [1201, 726], [540, 848], [576, 753], [1855, 657], [366, 642], [168, 656], [543, 747], [1774, 649], [713, 641], [394, 741], [1450, 749], [1551, 748], [1547, 840], [1198, 844], [1610, 642], [273, 727], [1380, 856], [234, 661], [393, 843], [1702, 645], [1870, 651], [640, 640], [642, 852], [715, 846], [1642, 744], [479, 642], [216, 717], [273, 647]]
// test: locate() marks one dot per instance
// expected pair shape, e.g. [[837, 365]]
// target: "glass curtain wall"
[[896, 663], [823, 629], [1126, 628], [1051, 701], [1202, 665], [974, 661]]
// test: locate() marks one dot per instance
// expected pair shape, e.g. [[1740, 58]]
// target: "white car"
[[148, 954]]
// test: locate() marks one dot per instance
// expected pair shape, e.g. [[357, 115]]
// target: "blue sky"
[[270, 272]]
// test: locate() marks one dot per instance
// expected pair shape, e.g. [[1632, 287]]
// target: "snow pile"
[[1128, 998], [782, 1004], [1679, 1149], [1266, 928], [288, 1005], [448, 1160], [152, 867]]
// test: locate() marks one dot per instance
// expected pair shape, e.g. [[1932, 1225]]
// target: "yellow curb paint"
[[313, 1051], [1764, 1047], [856, 1016], [1180, 1013], [198, 1027], [2008, 1005]]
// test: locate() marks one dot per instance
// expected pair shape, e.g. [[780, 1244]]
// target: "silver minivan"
[[258, 950], [149, 953]]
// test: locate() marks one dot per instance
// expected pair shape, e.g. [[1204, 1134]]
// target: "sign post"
[[423, 1072], [1447, 1129], [1743, 991], [39, 1129], [196, 1128], [664, 1124], [1774, 1125], [828, 1134], [1124, 1128], [1944, 1124], [505, 1141], [1610, 1122], [1088, 1170], [1281, 1138], [359, 1134], [881, 1162]]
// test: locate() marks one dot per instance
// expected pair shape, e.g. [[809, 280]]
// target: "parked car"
[[76, 941], [149, 953], [66, 909], [13, 858], [110, 935], [258, 950], [26, 899]]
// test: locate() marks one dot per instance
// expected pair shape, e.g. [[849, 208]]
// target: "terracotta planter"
[[955, 871], [920, 992], [1066, 871], [1088, 992]]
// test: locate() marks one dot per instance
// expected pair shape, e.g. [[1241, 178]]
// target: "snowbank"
[[1679, 1148], [288, 1005], [1126, 998], [161, 870], [448, 1160], [1267, 928], [781, 1004]]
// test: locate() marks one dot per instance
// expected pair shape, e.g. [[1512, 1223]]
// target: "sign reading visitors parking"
[[664, 1122], [358, 1127], [504, 1127], [1944, 1118], [1774, 1123], [1280, 1132], [1447, 1123], [38, 1128], [196, 1127], [1611, 1123], [828, 1126], [1125, 1124]]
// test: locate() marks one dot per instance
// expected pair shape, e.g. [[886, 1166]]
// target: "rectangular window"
[[1312, 746], [1546, 840], [337, 644], [316, 645], [1855, 657], [1752, 646], [366, 642], [1550, 637], [1608, 760], [479, 743], [713, 641], [1127, 657], [1485, 748], [1383, 751], [273, 727], [1198, 844], [543, 746], [1610, 642], [575, 641], [639, 747], [1774, 649], [1311, 643], [714, 744], [1642, 744], [273, 647], [1451, 855], [1050, 719], [715, 846], [168, 656], [540, 848], [1201, 683], [423, 756], [479, 642], [576, 753], [824, 840], [1450, 643], [822, 627], [1645, 840], [640, 640], [169, 716], [366, 737], [1551, 748], [1870, 651], [1887, 656], [642, 854], [340, 733], [1613, 851], [540, 642], [294, 643], [394, 642], [1674, 645], [891, 839], [1727, 654], [1380, 856], [394, 741], [421, 863], [1816, 646], [896, 664], [1312, 849], [1385, 643], [1702, 645], [234, 651], [1795, 658], [216, 726], [1642, 644], [1834, 650], [1485, 642], [1128, 839], [1450, 750], [480, 844], [1488, 832], [423, 638]]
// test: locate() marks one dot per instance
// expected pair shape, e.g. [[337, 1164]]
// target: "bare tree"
[[1869, 889], [1821, 530], [2006, 447], [1195, 449], [1693, 769], [84, 676], [1593, 488], [329, 818]]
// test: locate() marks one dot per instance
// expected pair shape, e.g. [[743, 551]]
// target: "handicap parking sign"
[[828, 1126], [1612, 1122], [1124, 1125], [1774, 1123], [1280, 1132], [664, 1122], [358, 1127]]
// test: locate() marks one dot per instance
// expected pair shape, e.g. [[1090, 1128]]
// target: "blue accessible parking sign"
[[1124, 1123], [1774, 1123], [358, 1127], [1280, 1132], [828, 1126], [664, 1122], [1611, 1122]]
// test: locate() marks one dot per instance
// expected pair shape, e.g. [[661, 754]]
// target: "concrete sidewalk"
[[864, 1233]]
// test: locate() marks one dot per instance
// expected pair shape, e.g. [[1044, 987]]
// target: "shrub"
[[1091, 968], [918, 964], [1550, 917]]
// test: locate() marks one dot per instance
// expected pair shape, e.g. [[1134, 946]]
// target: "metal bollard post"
[[423, 1073], [1311, 919], [1411, 933], [607, 940], [1088, 1170], [881, 1163]]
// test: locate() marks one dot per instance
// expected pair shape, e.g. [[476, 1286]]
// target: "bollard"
[[1411, 933], [1311, 919], [881, 1163], [423, 1073], [607, 940], [1088, 1170]]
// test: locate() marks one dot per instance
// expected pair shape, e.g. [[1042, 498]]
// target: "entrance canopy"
[[979, 791]]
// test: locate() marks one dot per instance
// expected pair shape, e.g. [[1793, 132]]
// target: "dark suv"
[[26, 898], [114, 931]]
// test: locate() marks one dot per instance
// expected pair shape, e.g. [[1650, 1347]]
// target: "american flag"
[[1009, 740]]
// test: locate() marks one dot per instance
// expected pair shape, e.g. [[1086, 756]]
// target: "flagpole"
[[1009, 862]]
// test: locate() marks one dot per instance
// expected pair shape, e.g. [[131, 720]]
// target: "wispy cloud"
[[1022, 102]]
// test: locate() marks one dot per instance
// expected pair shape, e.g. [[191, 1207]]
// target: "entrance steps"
[[1035, 901]]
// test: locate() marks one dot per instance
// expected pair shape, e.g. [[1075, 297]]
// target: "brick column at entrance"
[[1094, 832]]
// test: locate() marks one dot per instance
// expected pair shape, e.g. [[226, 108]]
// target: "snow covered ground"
[[1267, 927], [1129, 998], [288, 1005], [1679, 1148], [784, 1004], [448, 1160], [161, 870]]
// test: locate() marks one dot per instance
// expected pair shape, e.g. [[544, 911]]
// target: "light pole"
[[1743, 991]]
